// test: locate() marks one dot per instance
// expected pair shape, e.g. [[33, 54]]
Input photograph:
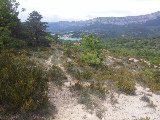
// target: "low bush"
[[124, 81], [150, 77], [56, 75], [99, 89], [86, 74], [126, 86], [91, 58], [145, 118], [155, 81], [23, 84], [79, 72]]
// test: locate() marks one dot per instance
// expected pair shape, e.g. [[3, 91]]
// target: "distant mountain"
[[125, 20], [111, 26]]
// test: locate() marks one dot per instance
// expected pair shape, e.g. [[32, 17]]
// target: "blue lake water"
[[68, 38]]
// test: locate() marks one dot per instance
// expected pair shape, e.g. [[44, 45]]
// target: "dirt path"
[[67, 106], [120, 107], [66, 103]]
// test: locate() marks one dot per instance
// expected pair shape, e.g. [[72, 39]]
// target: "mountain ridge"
[[111, 26], [150, 16], [127, 19]]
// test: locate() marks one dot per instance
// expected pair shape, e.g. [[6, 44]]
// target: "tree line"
[[13, 32], [23, 82]]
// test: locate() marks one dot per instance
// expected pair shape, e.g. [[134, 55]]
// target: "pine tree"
[[36, 29]]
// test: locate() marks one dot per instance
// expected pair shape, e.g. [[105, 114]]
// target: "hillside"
[[87, 93], [143, 25], [43, 77], [121, 87]]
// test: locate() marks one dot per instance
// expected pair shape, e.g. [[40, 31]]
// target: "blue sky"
[[58, 10]]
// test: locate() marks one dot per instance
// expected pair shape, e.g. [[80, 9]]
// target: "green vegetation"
[[91, 53], [35, 30], [85, 70], [23, 84], [14, 33], [8, 22], [98, 66], [115, 72], [120, 74], [151, 78], [140, 48], [147, 48], [56, 75]]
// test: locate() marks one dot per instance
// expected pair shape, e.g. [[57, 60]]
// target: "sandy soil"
[[123, 108], [115, 107], [143, 104]]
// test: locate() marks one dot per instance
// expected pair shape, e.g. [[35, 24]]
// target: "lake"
[[69, 38]]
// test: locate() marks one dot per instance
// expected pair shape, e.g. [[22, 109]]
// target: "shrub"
[[56, 75], [5, 38], [151, 77], [154, 83], [126, 86], [23, 85], [86, 74], [145, 118], [91, 58], [79, 72], [117, 78], [91, 50], [73, 69], [99, 89], [156, 76], [124, 81]]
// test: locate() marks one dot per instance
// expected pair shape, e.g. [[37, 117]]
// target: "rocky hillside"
[[143, 25], [124, 20]]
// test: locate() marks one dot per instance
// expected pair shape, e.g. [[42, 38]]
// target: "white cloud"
[[54, 10]]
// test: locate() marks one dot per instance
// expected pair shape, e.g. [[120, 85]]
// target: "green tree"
[[9, 15], [53, 38], [56, 38], [91, 50], [36, 30], [4, 37], [9, 22]]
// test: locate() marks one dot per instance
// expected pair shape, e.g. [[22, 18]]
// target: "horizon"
[[107, 17], [76, 10]]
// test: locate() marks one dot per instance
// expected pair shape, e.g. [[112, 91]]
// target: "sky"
[[71, 10]]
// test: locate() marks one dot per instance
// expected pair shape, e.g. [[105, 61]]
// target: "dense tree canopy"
[[36, 29], [9, 15], [13, 31], [9, 22]]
